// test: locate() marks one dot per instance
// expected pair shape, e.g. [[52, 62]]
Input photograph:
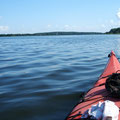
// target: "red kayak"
[[98, 92]]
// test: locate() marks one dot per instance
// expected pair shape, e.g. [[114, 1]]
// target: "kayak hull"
[[98, 92]]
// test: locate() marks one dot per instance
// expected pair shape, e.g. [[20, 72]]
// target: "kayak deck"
[[98, 92]]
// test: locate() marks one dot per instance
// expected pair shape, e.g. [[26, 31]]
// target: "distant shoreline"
[[112, 31], [51, 34]]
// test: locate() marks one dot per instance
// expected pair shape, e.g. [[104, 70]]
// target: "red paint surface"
[[99, 93]]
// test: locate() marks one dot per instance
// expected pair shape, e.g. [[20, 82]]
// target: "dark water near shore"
[[41, 78]]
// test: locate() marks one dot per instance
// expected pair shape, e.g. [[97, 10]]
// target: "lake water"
[[42, 77]]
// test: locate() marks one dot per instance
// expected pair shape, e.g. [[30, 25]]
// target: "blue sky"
[[31, 16]]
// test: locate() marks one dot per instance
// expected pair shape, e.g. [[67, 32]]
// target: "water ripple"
[[43, 77]]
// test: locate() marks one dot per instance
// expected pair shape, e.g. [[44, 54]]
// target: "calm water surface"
[[42, 77]]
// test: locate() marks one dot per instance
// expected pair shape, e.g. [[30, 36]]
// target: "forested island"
[[114, 31], [51, 33]]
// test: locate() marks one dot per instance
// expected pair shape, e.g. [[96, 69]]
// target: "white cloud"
[[4, 28], [67, 27], [118, 13], [71, 28], [49, 26]]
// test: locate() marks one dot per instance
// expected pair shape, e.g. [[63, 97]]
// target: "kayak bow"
[[98, 92]]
